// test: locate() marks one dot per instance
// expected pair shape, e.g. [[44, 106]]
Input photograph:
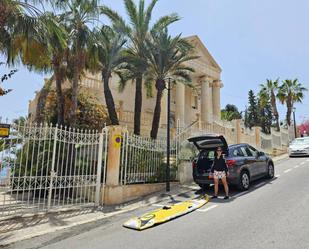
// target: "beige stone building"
[[188, 105]]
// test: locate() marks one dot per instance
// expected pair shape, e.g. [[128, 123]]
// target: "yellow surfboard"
[[165, 213]]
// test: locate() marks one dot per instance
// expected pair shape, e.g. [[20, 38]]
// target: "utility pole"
[[168, 134], [295, 132]]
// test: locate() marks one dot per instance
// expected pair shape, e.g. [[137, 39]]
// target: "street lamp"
[[294, 109], [167, 175]]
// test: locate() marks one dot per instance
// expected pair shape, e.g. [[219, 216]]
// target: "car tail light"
[[193, 164], [230, 163]]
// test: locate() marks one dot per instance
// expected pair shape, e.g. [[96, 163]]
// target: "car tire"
[[244, 181], [204, 186], [270, 171]]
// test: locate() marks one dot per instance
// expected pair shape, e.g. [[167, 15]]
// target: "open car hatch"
[[209, 142]]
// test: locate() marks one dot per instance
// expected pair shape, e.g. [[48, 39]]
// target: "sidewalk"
[[281, 157], [19, 229]]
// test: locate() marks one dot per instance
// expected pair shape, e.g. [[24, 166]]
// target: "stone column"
[[216, 87], [180, 104], [188, 107], [206, 105]]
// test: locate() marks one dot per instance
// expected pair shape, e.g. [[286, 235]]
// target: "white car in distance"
[[299, 147]]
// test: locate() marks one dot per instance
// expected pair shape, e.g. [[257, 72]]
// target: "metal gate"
[[44, 168], [143, 160]]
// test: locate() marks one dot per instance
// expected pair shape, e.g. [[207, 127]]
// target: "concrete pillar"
[[113, 162], [180, 104], [216, 88]]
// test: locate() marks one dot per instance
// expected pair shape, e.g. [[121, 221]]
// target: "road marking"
[[277, 176], [308, 160], [297, 166], [260, 184], [239, 194], [302, 163], [207, 209], [158, 205], [288, 170]]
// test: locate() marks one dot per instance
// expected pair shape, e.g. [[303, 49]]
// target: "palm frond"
[[164, 21], [131, 9]]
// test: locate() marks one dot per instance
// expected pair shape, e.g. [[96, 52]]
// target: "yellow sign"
[[4, 130], [117, 141]]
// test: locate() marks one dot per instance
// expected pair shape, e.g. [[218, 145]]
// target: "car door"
[[249, 161], [261, 164]]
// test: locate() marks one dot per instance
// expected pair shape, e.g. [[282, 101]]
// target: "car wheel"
[[270, 171], [244, 181], [204, 186]]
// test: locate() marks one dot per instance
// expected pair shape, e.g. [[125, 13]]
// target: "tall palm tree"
[[37, 39], [291, 92], [17, 18], [166, 56], [106, 54], [46, 51], [137, 32], [269, 89], [78, 16]]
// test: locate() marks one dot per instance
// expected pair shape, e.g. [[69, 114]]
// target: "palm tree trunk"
[[288, 114], [275, 110], [60, 98], [289, 109], [138, 105], [157, 112], [109, 100], [74, 95]]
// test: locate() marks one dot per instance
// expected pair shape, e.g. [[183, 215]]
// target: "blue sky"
[[252, 40]]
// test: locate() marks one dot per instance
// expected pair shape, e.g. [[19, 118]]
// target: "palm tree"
[[269, 89], [37, 40], [46, 51], [166, 56], [137, 32], [291, 92], [106, 54], [78, 15], [16, 18]]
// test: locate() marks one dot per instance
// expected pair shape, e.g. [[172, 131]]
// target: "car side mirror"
[[261, 153]]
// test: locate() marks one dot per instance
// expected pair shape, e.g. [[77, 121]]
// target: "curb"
[[16, 236], [280, 158]]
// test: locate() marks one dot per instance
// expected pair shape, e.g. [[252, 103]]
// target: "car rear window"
[[207, 154]]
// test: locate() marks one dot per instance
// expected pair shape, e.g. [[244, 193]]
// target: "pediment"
[[202, 52]]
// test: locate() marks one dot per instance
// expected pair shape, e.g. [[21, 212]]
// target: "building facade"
[[188, 104]]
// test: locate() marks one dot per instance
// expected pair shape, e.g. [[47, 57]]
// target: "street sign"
[[117, 141], [4, 130]]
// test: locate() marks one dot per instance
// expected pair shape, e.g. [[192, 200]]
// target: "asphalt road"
[[273, 214]]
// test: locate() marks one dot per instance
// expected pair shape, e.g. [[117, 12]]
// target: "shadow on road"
[[234, 192]]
